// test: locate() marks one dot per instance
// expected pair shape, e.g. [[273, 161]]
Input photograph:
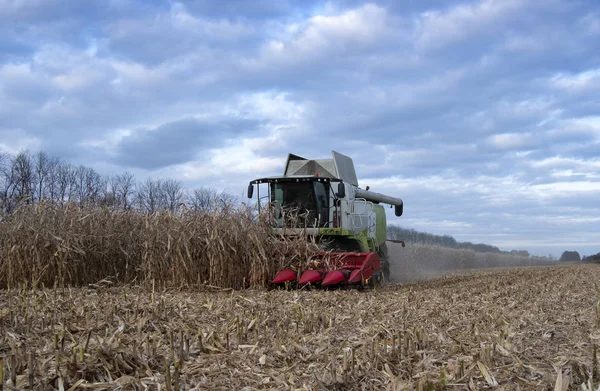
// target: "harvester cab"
[[321, 198]]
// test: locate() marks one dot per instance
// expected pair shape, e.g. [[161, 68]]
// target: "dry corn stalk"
[[46, 244]]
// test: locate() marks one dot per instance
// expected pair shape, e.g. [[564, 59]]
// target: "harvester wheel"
[[385, 269], [385, 263]]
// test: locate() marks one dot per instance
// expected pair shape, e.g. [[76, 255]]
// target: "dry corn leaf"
[[486, 374]]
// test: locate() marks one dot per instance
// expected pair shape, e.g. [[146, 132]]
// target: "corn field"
[[49, 245], [52, 245], [98, 299]]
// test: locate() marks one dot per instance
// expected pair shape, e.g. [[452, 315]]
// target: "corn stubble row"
[[528, 329], [47, 245]]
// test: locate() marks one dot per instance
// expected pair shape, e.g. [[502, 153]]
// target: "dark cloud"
[[175, 34], [12, 49], [27, 13], [260, 9], [177, 142]]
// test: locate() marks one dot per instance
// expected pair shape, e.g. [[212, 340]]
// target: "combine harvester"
[[347, 222]]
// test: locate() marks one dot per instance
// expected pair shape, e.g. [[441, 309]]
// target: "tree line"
[[413, 236], [27, 178]]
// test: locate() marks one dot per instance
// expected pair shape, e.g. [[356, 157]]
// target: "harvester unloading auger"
[[348, 222]]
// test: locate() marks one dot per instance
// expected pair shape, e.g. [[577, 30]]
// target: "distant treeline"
[[592, 258], [413, 236]]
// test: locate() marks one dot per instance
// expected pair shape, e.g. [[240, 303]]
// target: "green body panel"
[[380, 225], [365, 243]]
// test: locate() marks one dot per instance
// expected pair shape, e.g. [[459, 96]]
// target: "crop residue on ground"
[[529, 328]]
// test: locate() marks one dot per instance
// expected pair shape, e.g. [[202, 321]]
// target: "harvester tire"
[[385, 263], [385, 268]]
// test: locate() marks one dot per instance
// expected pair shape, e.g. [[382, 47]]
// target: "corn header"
[[348, 223]]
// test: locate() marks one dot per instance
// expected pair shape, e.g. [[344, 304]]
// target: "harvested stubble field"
[[419, 261], [528, 328]]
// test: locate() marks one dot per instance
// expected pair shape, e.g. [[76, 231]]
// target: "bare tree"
[[203, 199], [52, 178], [3, 163], [41, 163], [150, 195], [226, 200], [80, 184], [6, 181], [23, 175], [66, 182], [125, 188], [89, 186], [173, 194], [109, 196], [4, 170], [95, 185]]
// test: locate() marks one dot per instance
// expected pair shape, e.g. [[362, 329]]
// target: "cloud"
[[588, 80], [591, 23], [572, 187], [512, 140], [171, 34], [175, 142], [279, 125], [321, 37], [437, 28], [256, 10], [14, 140]]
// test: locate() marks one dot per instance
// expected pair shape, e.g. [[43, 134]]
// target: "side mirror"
[[399, 209], [341, 193], [250, 190]]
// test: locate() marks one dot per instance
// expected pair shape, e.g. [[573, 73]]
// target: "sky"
[[483, 116]]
